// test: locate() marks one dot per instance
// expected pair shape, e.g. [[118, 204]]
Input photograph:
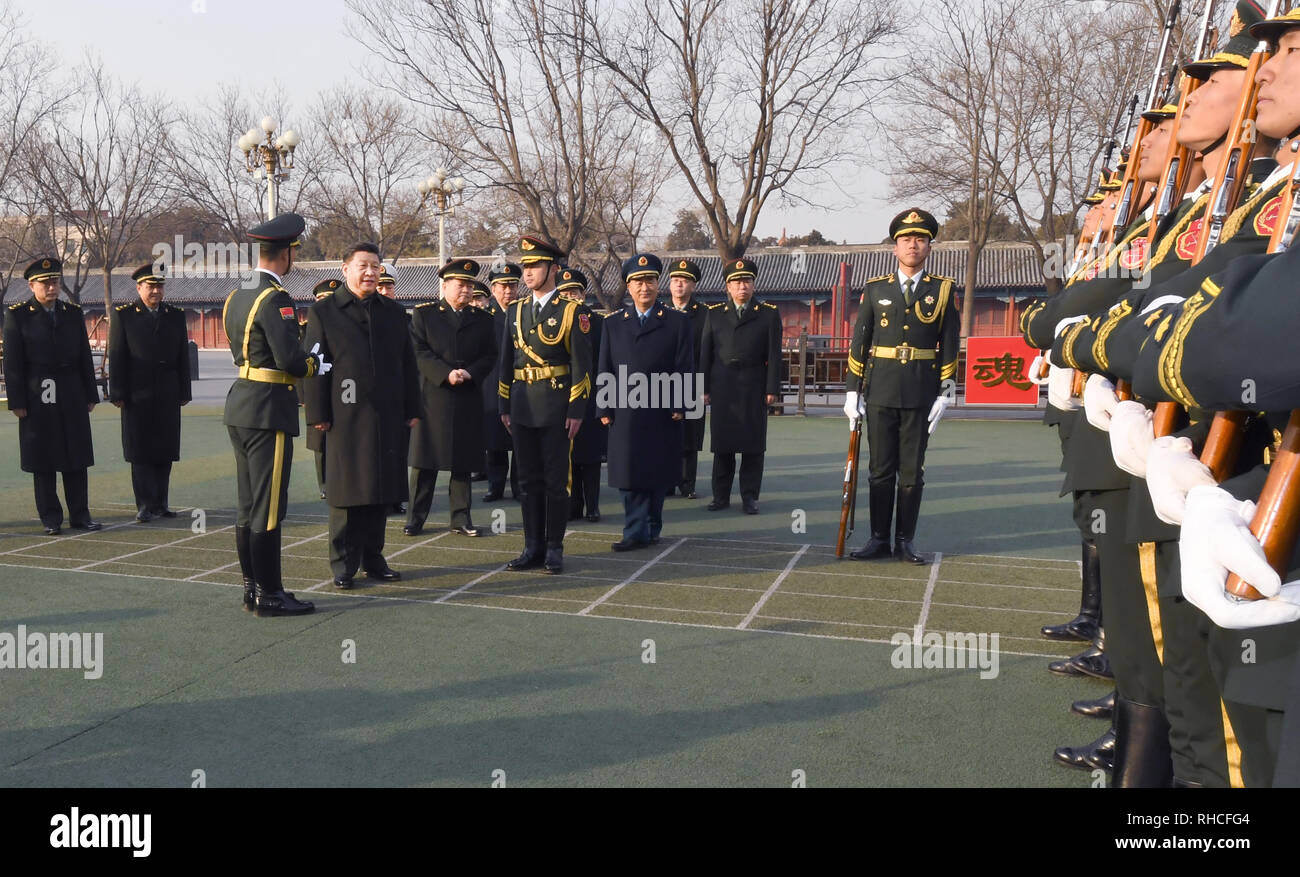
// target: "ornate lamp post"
[[443, 191], [269, 157]]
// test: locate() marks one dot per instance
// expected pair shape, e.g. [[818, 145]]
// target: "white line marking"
[[447, 596], [627, 581], [330, 580], [771, 589], [152, 548], [929, 595]]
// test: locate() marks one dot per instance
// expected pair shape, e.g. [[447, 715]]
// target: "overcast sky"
[[184, 48]]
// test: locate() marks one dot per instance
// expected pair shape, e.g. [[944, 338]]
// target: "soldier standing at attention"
[[682, 277], [149, 380], [545, 379], [455, 349], [904, 344], [740, 355], [500, 461], [262, 411], [589, 445], [51, 384]]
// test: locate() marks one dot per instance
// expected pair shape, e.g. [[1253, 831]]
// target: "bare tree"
[[100, 169], [753, 98]]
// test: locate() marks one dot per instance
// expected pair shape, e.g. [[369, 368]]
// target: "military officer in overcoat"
[[367, 406], [455, 348], [261, 413], [149, 380], [544, 385], [500, 457], [589, 445], [740, 356], [649, 343], [683, 274], [50, 380], [905, 343]]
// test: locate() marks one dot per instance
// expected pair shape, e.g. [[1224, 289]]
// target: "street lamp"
[[443, 189], [269, 157]]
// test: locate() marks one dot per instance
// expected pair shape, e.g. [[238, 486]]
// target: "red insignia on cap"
[[740, 264], [45, 264], [682, 264], [641, 261]]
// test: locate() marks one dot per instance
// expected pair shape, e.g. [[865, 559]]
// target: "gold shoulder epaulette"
[[16, 305], [721, 304], [73, 305], [769, 305], [879, 278], [425, 304], [122, 307]]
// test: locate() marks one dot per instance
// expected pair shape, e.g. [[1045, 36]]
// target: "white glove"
[[941, 403], [1033, 371], [320, 357], [1131, 435], [1099, 400], [1172, 471], [1216, 540], [1059, 383], [1056, 333], [854, 405]]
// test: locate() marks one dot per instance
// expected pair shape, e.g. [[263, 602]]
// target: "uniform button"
[[907, 327]]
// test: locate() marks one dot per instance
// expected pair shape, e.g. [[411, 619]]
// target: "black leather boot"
[[1097, 754], [909, 510], [533, 510], [554, 563], [1092, 661], [272, 599], [882, 514], [1142, 756], [245, 552], [1101, 708], [1085, 625]]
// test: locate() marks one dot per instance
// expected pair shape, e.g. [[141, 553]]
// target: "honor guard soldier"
[[589, 444], [261, 412], [51, 385], [653, 343], [544, 383], [316, 438], [905, 343], [455, 348], [500, 461], [682, 277], [740, 355], [367, 405], [149, 380]]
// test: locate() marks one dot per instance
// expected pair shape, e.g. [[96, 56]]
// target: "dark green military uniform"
[[449, 435], [261, 416], [496, 440], [545, 379], [51, 381], [740, 357], [692, 430], [149, 380], [902, 349]]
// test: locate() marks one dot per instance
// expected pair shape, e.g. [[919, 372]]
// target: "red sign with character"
[[997, 371]]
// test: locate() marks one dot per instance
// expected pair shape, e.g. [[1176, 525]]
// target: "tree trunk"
[[108, 291]]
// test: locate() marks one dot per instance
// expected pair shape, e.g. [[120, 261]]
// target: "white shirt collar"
[[543, 300], [1280, 172], [903, 278], [279, 281]]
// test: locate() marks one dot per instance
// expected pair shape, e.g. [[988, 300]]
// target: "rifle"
[[1277, 514], [849, 498]]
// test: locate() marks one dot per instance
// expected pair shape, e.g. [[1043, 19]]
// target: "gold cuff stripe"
[[582, 389], [503, 389], [948, 371]]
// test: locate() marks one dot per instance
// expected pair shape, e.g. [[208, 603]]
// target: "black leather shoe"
[[1090, 662], [384, 574], [397, 508], [53, 531], [594, 518], [143, 517], [164, 513], [411, 530], [718, 506], [1101, 708], [691, 495], [530, 559], [493, 496], [903, 551], [1098, 753], [876, 548], [466, 531], [344, 583], [751, 507], [1081, 629], [554, 564], [88, 525], [628, 545], [282, 603], [250, 595]]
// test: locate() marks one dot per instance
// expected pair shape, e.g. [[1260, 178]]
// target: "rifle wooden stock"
[[1277, 514], [1165, 420], [1123, 391], [1223, 443], [1044, 368], [849, 498], [1077, 383]]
